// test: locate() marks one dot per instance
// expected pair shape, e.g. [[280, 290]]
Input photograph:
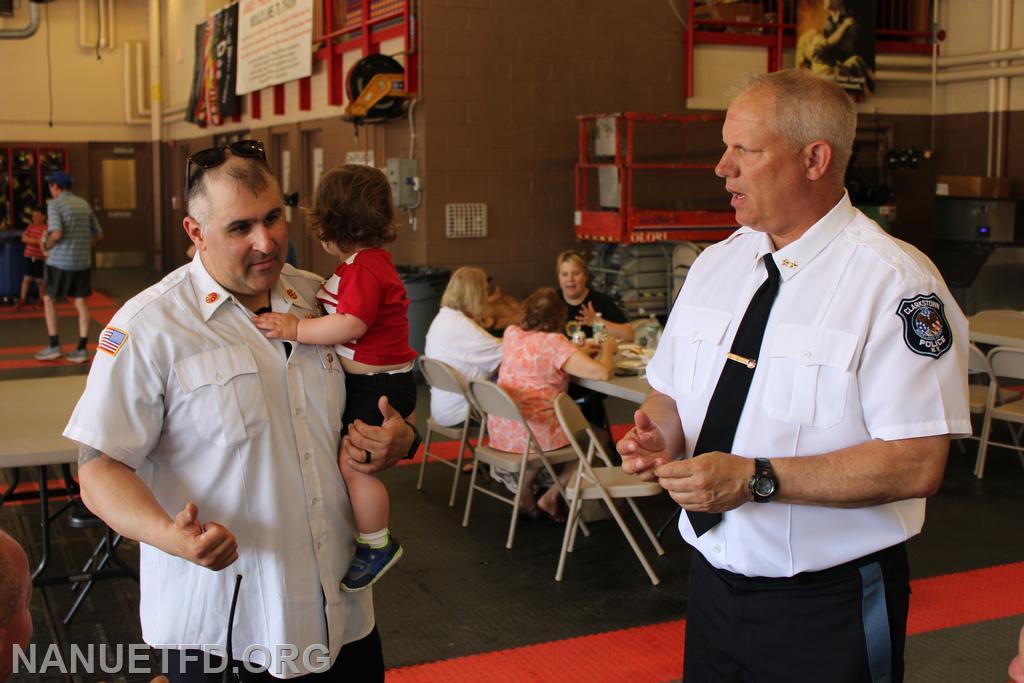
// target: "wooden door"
[[120, 190]]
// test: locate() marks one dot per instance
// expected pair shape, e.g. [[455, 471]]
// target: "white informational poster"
[[275, 43]]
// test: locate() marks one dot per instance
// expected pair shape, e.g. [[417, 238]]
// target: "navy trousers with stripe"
[[844, 625]]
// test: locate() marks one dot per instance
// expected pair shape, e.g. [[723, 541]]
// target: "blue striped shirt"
[[78, 227]]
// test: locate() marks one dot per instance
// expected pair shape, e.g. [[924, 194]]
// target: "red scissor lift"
[[628, 223]]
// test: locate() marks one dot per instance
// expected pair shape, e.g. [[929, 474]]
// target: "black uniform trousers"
[[846, 624], [363, 392]]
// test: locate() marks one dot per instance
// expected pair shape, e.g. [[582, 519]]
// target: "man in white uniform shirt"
[[854, 392], [218, 449]]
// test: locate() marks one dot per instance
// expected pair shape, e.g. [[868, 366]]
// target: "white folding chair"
[[606, 483], [978, 394], [1004, 362], [977, 367], [442, 376], [493, 401]]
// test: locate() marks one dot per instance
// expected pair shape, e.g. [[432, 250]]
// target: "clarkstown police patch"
[[925, 329]]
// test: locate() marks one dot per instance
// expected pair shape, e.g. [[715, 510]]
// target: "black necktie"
[[730, 395], [287, 345]]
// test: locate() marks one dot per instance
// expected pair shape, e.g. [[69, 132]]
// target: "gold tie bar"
[[749, 362]]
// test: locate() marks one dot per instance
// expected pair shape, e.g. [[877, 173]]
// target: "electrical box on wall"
[[405, 185]]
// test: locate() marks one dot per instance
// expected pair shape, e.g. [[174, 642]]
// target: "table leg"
[[9, 491], [44, 522]]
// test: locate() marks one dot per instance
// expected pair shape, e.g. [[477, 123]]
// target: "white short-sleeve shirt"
[[458, 341], [864, 342], [186, 391]]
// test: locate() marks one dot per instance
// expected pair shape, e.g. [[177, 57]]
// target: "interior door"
[[312, 255], [120, 192]]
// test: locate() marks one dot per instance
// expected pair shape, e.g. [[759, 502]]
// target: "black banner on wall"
[[213, 77]]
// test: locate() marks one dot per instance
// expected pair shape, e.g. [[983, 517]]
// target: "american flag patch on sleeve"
[[111, 340]]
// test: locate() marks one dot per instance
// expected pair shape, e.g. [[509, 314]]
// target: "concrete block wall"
[[502, 85]]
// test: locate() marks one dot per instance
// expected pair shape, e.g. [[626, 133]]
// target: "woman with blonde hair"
[[585, 303], [583, 306], [456, 338]]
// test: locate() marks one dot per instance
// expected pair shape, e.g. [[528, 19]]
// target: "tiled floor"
[[458, 592]]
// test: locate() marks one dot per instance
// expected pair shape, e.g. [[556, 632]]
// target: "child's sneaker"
[[370, 564]]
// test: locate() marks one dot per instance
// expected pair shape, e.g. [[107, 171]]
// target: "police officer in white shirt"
[[858, 385], [218, 449]]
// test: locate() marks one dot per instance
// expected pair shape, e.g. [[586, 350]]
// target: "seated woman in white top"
[[455, 338]]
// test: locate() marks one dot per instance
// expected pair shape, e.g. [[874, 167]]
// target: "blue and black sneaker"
[[370, 564]]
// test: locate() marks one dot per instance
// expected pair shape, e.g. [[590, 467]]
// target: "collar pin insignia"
[[789, 264], [292, 294], [211, 297]]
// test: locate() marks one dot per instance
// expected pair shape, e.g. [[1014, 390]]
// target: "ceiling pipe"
[[129, 114], [981, 58], [994, 45], [26, 31], [935, 75], [922, 62], [156, 127], [141, 106], [1003, 87], [893, 75]]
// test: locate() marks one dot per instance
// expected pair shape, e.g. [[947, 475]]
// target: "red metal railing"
[[630, 224], [368, 23]]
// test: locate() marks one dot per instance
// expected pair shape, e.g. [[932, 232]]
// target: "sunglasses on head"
[[213, 157]]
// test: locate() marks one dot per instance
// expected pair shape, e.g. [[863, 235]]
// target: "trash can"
[[424, 286], [12, 266]]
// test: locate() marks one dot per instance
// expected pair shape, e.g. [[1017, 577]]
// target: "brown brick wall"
[[503, 82]]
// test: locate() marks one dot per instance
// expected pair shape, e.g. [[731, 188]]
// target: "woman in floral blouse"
[[537, 360]]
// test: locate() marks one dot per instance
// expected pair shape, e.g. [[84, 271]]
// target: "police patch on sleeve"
[[925, 329]]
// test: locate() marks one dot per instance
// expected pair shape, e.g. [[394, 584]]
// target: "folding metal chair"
[[492, 400], [606, 483], [442, 376], [1004, 362]]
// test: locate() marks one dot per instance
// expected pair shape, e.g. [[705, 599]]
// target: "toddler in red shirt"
[[34, 238], [354, 217]]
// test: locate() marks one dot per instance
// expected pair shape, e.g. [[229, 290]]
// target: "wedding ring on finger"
[[369, 457]]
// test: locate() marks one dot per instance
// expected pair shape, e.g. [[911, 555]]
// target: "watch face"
[[764, 487]]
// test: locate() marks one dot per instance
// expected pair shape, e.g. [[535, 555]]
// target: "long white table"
[[631, 388], [997, 329], [33, 413]]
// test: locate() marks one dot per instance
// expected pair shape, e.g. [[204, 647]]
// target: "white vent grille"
[[465, 220]]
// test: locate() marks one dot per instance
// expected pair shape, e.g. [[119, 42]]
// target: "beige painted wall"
[[87, 93], [179, 20]]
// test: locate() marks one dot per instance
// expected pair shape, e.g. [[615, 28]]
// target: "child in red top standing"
[[34, 238], [353, 216]]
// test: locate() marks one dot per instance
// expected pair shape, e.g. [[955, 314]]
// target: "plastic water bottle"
[[598, 327], [652, 333], [641, 330]]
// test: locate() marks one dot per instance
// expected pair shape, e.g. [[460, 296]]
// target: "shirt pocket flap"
[[700, 324], [810, 345], [216, 367]]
